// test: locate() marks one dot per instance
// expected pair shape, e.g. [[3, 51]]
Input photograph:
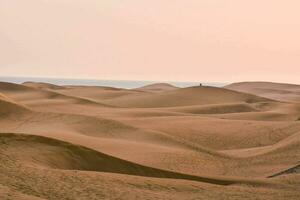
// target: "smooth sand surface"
[[278, 91], [154, 142]]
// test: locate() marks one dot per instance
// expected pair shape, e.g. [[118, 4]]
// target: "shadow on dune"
[[291, 170], [49, 153], [8, 106]]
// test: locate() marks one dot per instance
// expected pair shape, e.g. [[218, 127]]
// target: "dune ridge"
[[185, 97], [28, 95], [73, 157], [40, 85], [157, 87], [8, 106]]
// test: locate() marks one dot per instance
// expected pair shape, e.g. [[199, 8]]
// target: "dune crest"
[[8, 107], [157, 87], [62, 155], [40, 85], [185, 97]]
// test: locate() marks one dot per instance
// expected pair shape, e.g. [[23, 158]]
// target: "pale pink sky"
[[184, 40]]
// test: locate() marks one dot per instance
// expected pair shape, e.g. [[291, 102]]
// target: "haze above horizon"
[[190, 41]]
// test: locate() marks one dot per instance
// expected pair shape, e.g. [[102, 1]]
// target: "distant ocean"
[[109, 83]]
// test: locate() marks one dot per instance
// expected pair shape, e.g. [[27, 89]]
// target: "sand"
[[278, 91], [154, 142]]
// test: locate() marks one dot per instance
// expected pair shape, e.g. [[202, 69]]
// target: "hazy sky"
[[184, 40]]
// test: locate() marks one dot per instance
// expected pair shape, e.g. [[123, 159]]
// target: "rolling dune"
[[34, 95], [217, 108], [158, 87], [40, 85], [185, 97], [62, 155], [277, 91], [96, 93], [154, 142], [8, 106]]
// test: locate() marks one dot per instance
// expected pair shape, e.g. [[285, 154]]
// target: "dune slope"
[[62, 155], [185, 97], [157, 87], [8, 107], [277, 91]]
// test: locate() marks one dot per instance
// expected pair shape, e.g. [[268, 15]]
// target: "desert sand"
[[154, 142]]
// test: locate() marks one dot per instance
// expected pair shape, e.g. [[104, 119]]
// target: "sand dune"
[[185, 97], [272, 112], [32, 96], [97, 94], [277, 91], [11, 87], [8, 106], [40, 85], [284, 144], [34, 174], [217, 108], [62, 155], [235, 138], [154, 142], [157, 87], [120, 140]]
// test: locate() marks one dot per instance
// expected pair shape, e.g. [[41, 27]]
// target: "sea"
[[128, 84]]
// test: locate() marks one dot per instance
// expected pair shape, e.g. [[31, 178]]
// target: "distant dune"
[[158, 87], [43, 85], [185, 97], [12, 87], [153, 142], [96, 93], [218, 108], [30, 95], [277, 91]]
